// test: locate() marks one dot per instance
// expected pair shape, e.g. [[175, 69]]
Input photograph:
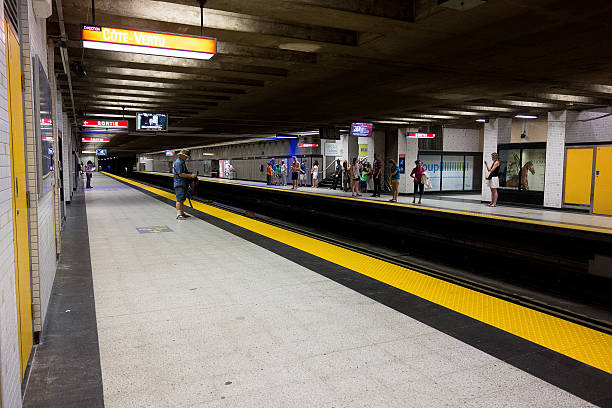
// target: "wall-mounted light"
[[482, 120], [526, 116]]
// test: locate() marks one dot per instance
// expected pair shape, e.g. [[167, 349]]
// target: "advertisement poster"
[[431, 162], [469, 173], [533, 169], [333, 148], [402, 163], [363, 150], [452, 173]]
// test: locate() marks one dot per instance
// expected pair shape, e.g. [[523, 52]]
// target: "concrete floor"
[[198, 317]]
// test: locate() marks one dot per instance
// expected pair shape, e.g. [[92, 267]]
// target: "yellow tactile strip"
[[573, 340], [434, 209]]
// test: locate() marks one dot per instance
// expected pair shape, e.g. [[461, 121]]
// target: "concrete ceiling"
[[287, 65]]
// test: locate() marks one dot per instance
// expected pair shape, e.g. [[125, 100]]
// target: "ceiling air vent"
[[460, 4]]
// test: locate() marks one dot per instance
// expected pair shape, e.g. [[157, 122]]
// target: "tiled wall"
[[496, 132], [555, 159], [9, 346], [42, 228], [461, 140], [598, 130]]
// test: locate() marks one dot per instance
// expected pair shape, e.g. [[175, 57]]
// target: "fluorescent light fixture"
[[410, 119], [208, 154], [527, 104], [482, 120], [526, 116], [391, 122], [429, 116], [488, 108], [88, 152], [460, 112], [567, 98]]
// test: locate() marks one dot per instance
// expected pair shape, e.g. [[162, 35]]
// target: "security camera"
[[523, 135]]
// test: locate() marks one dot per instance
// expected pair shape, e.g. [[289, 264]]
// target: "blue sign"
[[402, 165], [100, 152], [361, 129]]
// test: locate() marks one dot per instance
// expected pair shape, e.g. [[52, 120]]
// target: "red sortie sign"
[[422, 135], [95, 139], [105, 123]]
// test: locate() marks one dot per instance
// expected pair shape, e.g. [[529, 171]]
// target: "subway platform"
[[466, 204], [221, 310]]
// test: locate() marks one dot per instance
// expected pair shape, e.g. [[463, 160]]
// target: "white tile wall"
[[598, 130], [42, 228], [10, 387], [461, 140], [555, 159], [409, 147]]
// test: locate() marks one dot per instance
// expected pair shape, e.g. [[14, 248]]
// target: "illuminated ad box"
[[105, 124], [146, 42]]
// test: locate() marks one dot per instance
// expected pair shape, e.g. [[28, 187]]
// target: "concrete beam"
[[182, 18]]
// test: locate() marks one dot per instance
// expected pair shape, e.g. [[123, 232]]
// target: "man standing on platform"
[[181, 174], [377, 174]]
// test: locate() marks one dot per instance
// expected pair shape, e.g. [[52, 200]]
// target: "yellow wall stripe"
[[573, 340], [565, 225]]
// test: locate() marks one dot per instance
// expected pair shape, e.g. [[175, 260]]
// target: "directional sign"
[[105, 124], [146, 42]]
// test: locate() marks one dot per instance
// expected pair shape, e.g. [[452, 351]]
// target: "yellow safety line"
[[581, 343], [578, 227]]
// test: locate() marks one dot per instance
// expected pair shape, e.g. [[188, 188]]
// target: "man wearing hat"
[[181, 174]]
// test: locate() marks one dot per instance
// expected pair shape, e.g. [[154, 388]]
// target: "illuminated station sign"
[[95, 140], [105, 124], [145, 42]]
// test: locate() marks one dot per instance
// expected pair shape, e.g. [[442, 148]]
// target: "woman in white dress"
[[315, 174]]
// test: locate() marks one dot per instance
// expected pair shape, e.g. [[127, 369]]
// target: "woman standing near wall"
[[355, 178], [395, 178], [493, 178], [346, 177]]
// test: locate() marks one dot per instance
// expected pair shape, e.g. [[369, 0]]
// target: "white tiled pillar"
[[410, 148], [555, 159], [497, 131]]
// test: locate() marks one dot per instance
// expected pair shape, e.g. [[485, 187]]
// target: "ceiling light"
[[460, 113], [302, 47], [526, 116], [488, 108], [391, 122], [528, 104], [428, 116], [410, 119], [482, 120], [567, 98]]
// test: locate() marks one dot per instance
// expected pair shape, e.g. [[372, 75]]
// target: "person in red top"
[[269, 174], [417, 174]]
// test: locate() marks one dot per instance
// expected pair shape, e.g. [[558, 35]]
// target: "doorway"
[[20, 197]]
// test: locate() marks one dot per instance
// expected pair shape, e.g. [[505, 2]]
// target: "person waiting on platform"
[[493, 178], [395, 178], [180, 175], [417, 177], [303, 173], [355, 178], [89, 173], [377, 175], [363, 178], [283, 173], [337, 175], [315, 174], [269, 173], [278, 174], [346, 176], [295, 171]]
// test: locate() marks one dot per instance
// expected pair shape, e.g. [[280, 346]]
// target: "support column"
[[409, 147], [555, 159], [497, 131]]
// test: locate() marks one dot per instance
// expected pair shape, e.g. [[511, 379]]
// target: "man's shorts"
[[302, 177], [181, 193]]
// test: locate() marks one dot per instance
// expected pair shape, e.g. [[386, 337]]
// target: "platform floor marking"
[[565, 225], [154, 229], [581, 343]]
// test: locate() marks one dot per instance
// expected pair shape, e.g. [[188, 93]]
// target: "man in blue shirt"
[[181, 174]]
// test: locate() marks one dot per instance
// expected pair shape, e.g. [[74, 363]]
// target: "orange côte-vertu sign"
[[146, 42]]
